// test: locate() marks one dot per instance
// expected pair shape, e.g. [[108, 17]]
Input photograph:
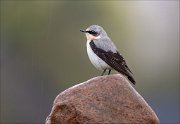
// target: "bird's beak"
[[83, 31]]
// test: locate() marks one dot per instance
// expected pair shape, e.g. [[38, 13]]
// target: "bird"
[[103, 53]]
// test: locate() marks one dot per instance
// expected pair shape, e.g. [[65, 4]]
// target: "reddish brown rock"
[[105, 99]]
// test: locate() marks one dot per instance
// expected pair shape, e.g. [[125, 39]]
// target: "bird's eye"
[[92, 32]]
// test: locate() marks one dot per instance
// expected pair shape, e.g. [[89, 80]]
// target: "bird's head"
[[94, 32]]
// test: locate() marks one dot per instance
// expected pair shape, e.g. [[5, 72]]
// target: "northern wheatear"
[[103, 54]]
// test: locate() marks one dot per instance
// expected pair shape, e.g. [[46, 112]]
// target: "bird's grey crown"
[[97, 29]]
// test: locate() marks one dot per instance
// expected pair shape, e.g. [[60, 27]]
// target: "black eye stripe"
[[92, 32]]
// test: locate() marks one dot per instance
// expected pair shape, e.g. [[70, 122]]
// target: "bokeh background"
[[43, 52]]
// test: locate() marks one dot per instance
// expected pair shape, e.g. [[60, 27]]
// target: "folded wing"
[[115, 60]]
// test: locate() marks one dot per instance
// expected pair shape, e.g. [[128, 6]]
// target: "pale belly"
[[95, 60]]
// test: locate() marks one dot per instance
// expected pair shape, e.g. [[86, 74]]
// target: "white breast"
[[95, 60]]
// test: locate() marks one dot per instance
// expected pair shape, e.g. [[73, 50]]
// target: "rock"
[[105, 99]]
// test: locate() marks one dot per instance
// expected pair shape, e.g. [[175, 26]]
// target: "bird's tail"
[[131, 79]]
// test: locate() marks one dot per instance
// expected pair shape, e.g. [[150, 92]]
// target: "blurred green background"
[[43, 52]]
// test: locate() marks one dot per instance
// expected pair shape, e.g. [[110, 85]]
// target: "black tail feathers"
[[132, 79]]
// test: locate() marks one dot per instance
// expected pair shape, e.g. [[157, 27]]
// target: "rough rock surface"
[[101, 100]]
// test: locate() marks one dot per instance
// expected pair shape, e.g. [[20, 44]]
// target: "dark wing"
[[115, 60]]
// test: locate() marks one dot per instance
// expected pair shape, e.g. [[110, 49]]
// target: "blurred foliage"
[[43, 52]]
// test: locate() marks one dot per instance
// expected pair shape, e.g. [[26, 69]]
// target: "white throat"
[[91, 37]]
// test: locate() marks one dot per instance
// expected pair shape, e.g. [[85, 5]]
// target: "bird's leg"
[[103, 72], [109, 72]]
